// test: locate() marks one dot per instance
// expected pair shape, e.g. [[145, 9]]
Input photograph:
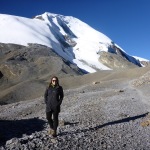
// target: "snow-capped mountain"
[[69, 37]]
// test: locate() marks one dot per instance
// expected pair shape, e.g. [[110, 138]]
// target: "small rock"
[[14, 140], [61, 122], [53, 140], [31, 136], [121, 90], [2, 148], [96, 82], [145, 123]]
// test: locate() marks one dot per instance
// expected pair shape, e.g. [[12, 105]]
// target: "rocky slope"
[[25, 71], [115, 61], [107, 110]]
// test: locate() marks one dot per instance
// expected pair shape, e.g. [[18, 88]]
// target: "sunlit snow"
[[71, 38]]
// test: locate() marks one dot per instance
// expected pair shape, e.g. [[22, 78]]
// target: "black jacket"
[[53, 98]]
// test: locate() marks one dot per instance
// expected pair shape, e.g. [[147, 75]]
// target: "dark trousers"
[[52, 122]]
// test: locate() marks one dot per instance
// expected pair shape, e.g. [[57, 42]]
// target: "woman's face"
[[54, 81]]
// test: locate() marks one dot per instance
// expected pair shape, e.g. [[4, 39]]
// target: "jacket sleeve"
[[61, 95], [45, 96]]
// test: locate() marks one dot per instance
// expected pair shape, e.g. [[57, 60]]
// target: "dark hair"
[[52, 79]]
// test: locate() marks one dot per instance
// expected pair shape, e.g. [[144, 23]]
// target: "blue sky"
[[126, 22]]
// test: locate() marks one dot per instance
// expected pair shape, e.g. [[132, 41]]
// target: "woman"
[[53, 99]]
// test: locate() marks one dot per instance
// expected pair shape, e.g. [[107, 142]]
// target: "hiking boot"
[[54, 134]]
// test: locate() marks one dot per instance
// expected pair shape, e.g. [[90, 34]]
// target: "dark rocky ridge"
[[25, 71]]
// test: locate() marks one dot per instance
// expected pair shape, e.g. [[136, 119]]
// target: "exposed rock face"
[[115, 61], [145, 63], [24, 71]]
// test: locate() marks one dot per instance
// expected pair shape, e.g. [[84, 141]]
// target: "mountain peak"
[[72, 39]]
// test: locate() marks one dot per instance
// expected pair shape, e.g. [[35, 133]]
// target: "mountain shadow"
[[16, 128]]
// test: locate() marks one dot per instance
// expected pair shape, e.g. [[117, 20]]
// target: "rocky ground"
[[110, 115]]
